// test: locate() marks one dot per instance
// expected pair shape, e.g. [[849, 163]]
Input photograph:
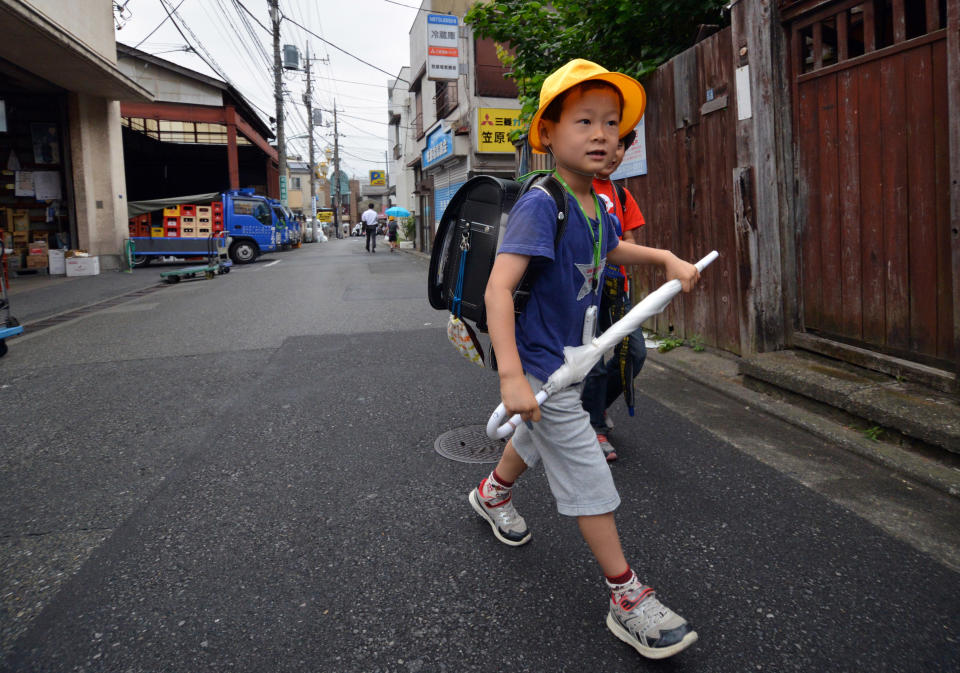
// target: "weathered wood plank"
[[830, 247], [921, 194], [941, 160], [809, 214], [851, 317], [899, 22], [895, 206], [873, 261], [953, 98]]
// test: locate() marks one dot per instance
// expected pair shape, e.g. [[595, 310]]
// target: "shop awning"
[[36, 44]]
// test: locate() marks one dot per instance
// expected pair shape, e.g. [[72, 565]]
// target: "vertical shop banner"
[[439, 147], [493, 129], [377, 179], [635, 158], [283, 189], [441, 198], [443, 55]]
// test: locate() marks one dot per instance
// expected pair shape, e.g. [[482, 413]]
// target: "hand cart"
[[9, 326], [217, 262]]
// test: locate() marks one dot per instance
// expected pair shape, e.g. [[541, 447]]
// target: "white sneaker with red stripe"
[[637, 618], [495, 504]]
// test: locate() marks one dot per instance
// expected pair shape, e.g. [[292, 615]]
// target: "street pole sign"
[[283, 189]]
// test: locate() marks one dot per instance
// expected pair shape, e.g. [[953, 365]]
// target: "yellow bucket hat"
[[578, 71]]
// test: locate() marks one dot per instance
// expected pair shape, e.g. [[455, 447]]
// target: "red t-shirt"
[[632, 218]]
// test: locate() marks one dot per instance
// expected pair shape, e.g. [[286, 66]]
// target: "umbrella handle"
[[497, 431], [705, 262]]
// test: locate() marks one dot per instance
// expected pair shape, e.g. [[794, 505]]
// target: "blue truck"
[[253, 224]]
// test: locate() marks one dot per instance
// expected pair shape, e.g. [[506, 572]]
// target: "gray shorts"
[[576, 468]]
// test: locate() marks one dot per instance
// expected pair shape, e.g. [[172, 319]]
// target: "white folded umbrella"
[[579, 360]]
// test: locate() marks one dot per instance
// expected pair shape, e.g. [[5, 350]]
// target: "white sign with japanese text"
[[443, 38]]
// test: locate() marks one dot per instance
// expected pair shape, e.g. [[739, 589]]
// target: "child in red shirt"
[[607, 380]]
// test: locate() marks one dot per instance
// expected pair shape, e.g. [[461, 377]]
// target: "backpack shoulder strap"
[[621, 197], [551, 186]]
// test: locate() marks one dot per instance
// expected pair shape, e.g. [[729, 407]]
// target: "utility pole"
[[386, 174], [308, 99], [278, 95], [336, 172]]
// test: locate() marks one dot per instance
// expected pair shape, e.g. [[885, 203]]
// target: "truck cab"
[[252, 223]]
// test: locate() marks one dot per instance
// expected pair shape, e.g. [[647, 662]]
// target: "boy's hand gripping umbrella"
[[579, 360]]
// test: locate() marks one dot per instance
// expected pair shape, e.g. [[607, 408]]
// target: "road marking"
[[267, 266]]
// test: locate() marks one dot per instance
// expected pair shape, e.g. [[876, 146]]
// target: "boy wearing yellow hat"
[[584, 111]]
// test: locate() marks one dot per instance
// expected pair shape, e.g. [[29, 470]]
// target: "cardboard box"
[[56, 262], [83, 266], [21, 220], [37, 261], [38, 248]]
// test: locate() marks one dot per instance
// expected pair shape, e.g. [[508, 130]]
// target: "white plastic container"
[[56, 263], [83, 266]]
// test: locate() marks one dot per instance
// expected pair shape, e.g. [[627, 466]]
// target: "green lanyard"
[[597, 240]]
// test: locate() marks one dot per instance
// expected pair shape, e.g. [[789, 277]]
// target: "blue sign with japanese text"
[[439, 147]]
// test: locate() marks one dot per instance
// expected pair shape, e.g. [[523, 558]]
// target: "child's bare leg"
[[600, 532], [511, 465]]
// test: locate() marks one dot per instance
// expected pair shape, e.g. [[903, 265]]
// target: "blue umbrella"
[[397, 211]]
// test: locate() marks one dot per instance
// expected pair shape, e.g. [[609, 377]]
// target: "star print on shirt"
[[588, 270]]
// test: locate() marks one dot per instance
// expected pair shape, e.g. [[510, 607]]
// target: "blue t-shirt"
[[562, 290]]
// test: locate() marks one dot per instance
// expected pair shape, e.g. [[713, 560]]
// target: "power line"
[[158, 26], [287, 18]]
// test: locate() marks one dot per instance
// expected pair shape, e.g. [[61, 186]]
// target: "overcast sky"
[[375, 30]]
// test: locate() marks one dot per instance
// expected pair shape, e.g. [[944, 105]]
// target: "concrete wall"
[[96, 153], [90, 21], [168, 86]]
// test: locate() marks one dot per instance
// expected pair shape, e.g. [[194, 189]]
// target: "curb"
[[911, 465]]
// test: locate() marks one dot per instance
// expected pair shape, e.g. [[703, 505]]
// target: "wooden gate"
[[873, 204], [687, 197]]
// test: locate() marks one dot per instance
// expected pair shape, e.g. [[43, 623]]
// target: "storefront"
[[36, 200], [444, 165]]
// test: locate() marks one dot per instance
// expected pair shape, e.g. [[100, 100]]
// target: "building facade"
[[60, 130], [458, 128]]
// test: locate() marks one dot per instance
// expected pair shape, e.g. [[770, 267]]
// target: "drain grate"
[[44, 323], [469, 445]]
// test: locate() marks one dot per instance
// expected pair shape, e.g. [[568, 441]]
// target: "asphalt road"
[[240, 475]]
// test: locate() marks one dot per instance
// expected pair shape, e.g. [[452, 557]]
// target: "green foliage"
[[629, 36], [669, 343], [696, 343], [873, 433], [409, 227]]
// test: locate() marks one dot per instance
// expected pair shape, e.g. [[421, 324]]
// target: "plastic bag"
[[464, 339]]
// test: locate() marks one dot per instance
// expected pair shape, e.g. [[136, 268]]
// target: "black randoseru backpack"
[[469, 236]]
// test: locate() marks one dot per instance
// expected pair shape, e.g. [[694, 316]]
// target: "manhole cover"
[[469, 445]]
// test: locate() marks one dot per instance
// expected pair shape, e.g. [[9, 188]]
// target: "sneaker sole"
[[649, 652], [479, 509]]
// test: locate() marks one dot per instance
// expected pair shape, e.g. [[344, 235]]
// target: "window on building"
[[446, 98], [416, 90], [491, 77], [294, 183]]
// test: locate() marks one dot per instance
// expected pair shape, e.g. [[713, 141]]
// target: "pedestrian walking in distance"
[[369, 218], [584, 111], [392, 227]]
